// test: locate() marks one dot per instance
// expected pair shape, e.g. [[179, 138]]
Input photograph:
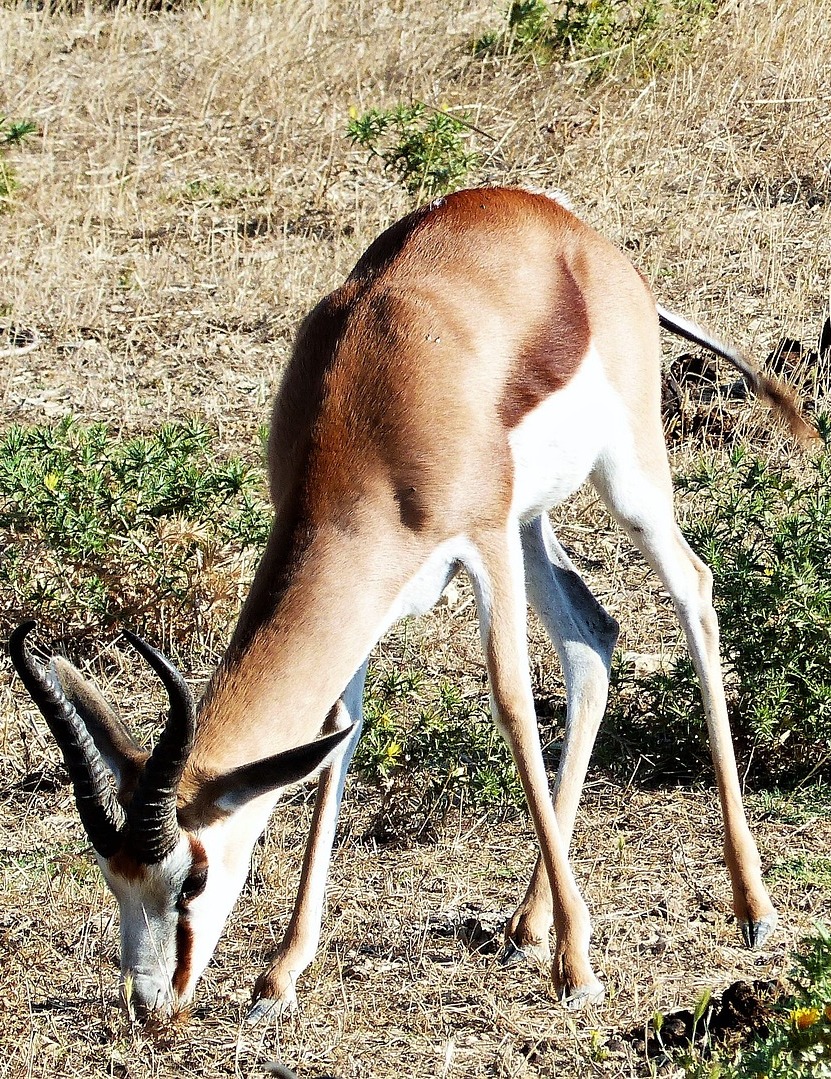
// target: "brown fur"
[[786, 405], [391, 424], [395, 431], [390, 434]]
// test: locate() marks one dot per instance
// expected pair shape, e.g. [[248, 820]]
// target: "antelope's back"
[[456, 322]]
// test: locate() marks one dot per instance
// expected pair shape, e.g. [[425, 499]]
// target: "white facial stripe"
[[228, 843]]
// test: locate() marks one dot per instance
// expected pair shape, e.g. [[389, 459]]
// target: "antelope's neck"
[[297, 645]]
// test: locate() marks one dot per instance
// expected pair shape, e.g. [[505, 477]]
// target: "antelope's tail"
[[774, 393]]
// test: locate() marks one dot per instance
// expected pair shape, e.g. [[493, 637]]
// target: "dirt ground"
[[189, 195]]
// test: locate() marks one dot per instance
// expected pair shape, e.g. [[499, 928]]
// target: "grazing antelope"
[[487, 355]]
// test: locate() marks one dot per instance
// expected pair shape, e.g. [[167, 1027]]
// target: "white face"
[[172, 913], [173, 910]]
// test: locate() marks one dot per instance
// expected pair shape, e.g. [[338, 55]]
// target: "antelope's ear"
[[232, 790], [121, 753]]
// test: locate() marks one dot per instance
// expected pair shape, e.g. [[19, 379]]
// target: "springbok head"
[[175, 869]]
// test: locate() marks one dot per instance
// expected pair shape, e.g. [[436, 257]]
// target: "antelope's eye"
[[194, 885]]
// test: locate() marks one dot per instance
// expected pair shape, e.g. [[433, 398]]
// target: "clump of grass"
[[796, 807], [647, 34], [425, 148], [157, 530], [812, 871], [215, 191], [448, 754], [766, 534], [12, 133], [797, 1044]]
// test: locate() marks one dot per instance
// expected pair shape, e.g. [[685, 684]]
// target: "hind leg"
[[640, 497], [584, 636], [501, 601]]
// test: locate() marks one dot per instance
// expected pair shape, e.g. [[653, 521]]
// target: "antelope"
[[487, 355]]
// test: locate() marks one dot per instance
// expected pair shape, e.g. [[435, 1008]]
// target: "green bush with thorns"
[[12, 133], [156, 531], [431, 749], [425, 148], [602, 34], [765, 531]]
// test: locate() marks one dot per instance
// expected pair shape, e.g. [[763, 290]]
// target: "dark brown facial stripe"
[[125, 865], [550, 356], [184, 932], [184, 956], [198, 857]]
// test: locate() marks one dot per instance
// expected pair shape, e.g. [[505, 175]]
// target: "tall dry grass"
[[192, 192]]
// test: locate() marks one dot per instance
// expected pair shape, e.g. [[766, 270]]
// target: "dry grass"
[[190, 195]]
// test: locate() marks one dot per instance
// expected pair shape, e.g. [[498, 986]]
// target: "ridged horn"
[[154, 827], [100, 811]]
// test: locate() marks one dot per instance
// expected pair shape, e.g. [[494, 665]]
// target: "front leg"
[[501, 597], [275, 989], [584, 636]]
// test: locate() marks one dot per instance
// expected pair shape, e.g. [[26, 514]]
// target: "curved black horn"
[[100, 811], [154, 828]]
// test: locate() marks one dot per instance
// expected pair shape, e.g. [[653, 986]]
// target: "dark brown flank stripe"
[[551, 355]]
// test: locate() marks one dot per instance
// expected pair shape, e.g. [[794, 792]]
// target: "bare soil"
[[189, 196]]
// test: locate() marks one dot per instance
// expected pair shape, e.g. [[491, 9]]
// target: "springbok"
[[487, 355]]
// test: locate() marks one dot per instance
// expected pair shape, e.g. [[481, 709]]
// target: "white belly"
[[421, 593]]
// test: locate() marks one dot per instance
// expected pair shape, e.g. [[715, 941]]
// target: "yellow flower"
[[828, 1012], [803, 1018], [393, 749]]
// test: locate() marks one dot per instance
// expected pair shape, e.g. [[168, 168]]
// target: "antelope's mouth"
[[152, 1003]]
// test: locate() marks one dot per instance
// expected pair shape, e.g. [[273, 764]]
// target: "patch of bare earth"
[[189, 196]]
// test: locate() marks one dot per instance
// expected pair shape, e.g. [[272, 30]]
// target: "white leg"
[[642, 502], [500, 594], [275, 989], [584, 636]]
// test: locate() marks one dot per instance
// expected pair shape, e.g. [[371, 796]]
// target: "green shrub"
[[12, 133], [528, 30], [448, 754], [425, 148], [154, 531], [646, 35], [766, 534]]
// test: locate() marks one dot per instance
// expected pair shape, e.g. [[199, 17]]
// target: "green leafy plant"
[[797, 1042], [528, 30], [425, 148], [766, 533], [156, 530], [646, 34], [449, 753], [12, 133]]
